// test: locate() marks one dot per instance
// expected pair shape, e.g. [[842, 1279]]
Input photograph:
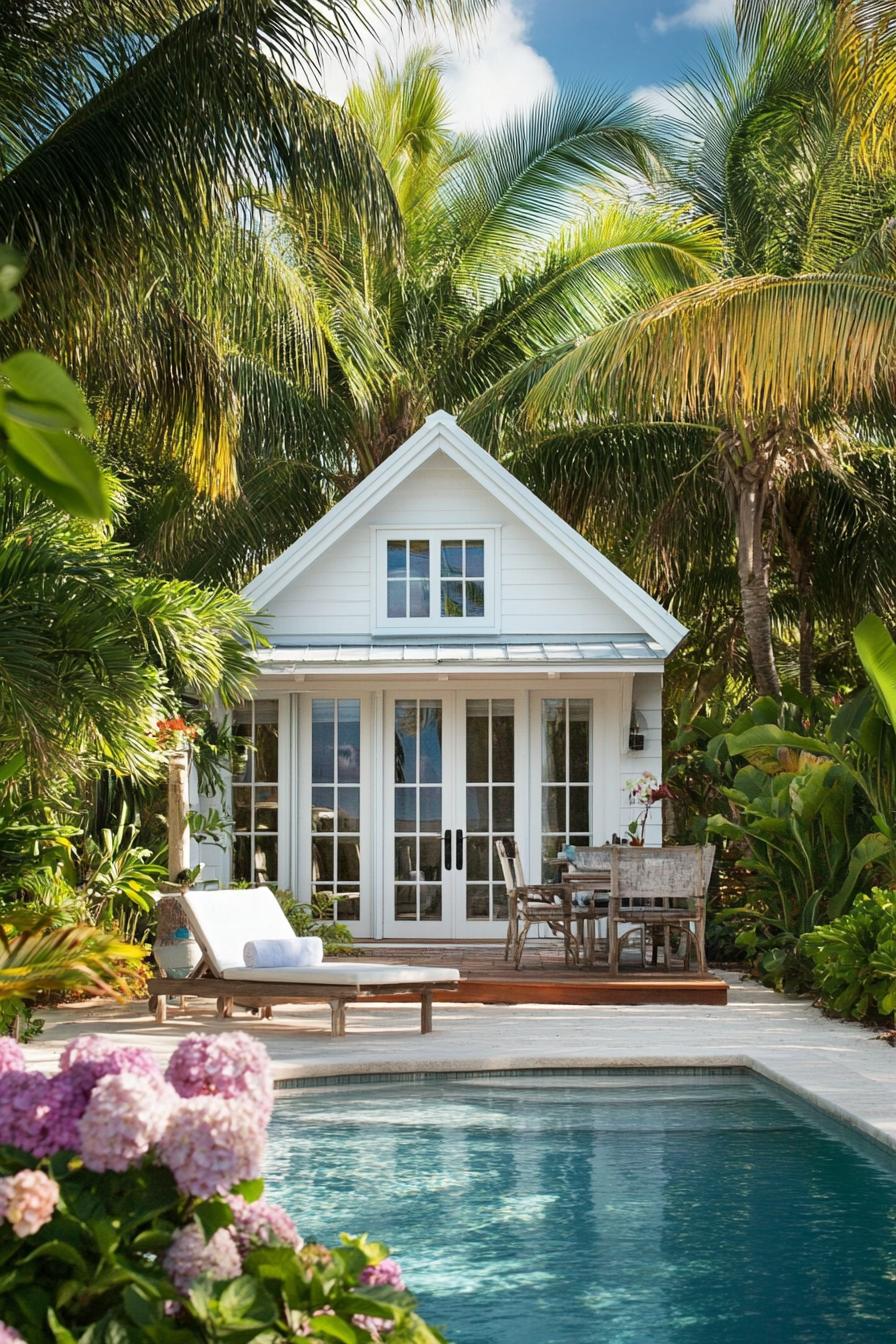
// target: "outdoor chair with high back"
[[528, 904], [658, 891]]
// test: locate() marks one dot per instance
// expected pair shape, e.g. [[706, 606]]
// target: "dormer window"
[[442, 580]]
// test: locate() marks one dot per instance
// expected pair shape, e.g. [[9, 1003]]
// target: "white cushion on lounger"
[[356, 976], [224, 921]]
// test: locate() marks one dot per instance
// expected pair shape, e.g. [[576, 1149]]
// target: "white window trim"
[[435, 625]]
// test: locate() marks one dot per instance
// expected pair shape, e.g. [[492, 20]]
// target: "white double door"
[[451, 788]]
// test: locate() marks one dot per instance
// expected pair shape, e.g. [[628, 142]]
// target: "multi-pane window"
[[336, 806], [490, 809], [407, 579], [439, 579], [255, 795], [418, 809], [566, 778], [462, 579]]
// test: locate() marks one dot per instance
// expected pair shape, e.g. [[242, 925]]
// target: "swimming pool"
[[641, 1209]]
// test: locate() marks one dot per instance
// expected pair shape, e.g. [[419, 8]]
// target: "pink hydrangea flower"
[[11, 1055], [387, 1272], [125, 1117], [8, 1335], [105, 1055], [190, 1255], [67, 1096], [261, 1224], [222, 1066], [210, 1144], [24, 1106], [27, 1201]]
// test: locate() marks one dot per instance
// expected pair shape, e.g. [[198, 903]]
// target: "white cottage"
[[450, 663]]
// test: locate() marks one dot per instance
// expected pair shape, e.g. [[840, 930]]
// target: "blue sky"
[[524, 49], [634, 43]]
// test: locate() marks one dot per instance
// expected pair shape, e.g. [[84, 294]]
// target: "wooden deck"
[[543, 977]]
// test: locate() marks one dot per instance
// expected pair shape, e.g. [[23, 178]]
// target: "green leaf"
[[142, 1310], [14, 766], [37, 378], [59, 1250], [61, 1334], [212, 1215], [870, 849], [244, 1301], [877, 652], [334, 1328], [12, 268], [770, 736], [61, 466], [250, 1190]]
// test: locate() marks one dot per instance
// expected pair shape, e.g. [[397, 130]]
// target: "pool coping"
[[849, 1098]]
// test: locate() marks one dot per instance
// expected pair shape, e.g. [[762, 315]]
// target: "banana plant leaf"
[[877, 652]]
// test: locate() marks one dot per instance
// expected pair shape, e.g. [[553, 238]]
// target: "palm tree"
[[137, 140], [510, 241], [93, 655], [779, 366]]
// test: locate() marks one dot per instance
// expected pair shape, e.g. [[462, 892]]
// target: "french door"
[[450, 790]]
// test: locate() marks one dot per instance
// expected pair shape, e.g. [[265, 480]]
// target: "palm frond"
[[523, 183], [747, 348], [36, 958]]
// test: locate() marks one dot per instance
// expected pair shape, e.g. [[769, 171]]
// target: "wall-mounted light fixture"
[[636, 729]]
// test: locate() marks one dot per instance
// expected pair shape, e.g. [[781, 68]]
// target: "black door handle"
[[459, 850], [448, 850]]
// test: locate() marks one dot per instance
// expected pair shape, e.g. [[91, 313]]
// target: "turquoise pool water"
[[594, 1210]]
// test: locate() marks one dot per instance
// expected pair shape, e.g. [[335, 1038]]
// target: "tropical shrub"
[[808, 789], [854, 957], [131, 1208], [314, 921]]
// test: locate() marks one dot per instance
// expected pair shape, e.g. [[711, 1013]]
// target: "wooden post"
[[178, 807]]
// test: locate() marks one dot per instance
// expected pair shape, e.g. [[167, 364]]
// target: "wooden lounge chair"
[[532, 904], [223, 922]]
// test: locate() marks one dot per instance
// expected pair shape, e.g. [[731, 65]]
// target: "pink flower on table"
[[190, 1255], [11, 1055], [222, 1066], [24, 1106], [27, 1201], [105, 1055], [210, 1144], [125, 1117], [8, 1335], [261, 1224]]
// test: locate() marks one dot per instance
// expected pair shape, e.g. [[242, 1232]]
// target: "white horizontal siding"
[[541, 593], [647, 697]]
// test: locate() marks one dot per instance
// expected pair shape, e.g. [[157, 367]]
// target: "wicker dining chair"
[[658, 891], [529, 904]]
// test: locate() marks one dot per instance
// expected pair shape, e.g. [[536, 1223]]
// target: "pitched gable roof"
[[441, 433]]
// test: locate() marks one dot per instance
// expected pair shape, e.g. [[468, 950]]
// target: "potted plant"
[[643, 792]]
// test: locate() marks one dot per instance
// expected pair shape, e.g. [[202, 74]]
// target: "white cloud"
[[658, 99], [489, 74], [698, 14]]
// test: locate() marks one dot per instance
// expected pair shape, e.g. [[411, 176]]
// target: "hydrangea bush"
[[132, 1209]]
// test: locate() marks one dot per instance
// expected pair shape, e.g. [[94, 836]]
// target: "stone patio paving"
[[840, 1066]]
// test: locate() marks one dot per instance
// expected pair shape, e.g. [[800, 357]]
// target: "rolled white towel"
[[296, 953]]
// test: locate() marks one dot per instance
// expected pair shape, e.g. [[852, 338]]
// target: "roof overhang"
[[566, 658]]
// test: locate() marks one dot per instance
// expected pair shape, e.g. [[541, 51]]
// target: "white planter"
[[177, 957]]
